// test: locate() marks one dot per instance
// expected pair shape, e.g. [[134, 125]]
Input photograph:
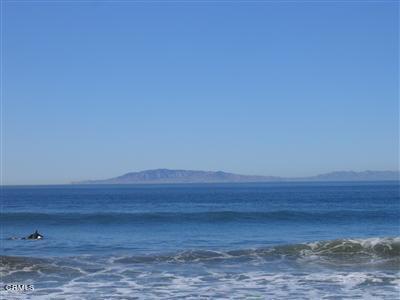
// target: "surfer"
[[34, 236]]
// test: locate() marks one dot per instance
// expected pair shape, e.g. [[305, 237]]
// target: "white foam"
[[215, 284]]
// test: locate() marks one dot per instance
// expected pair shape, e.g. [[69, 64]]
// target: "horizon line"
[[283, 178]]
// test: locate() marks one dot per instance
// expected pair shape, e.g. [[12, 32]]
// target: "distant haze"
[[191, 176]]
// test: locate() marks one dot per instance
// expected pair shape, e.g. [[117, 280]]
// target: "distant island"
[[159, 176]]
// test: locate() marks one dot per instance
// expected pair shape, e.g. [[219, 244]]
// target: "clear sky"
[[272, 88]]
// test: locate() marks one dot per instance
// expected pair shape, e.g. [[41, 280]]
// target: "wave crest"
[[340, 251], [371, 253], [213, 216]]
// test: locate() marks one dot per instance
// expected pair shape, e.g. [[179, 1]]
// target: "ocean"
[[203, 241]]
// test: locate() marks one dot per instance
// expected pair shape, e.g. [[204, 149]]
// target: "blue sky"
[[289, 89]]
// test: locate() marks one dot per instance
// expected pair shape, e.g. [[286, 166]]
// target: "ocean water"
[[210, 241]]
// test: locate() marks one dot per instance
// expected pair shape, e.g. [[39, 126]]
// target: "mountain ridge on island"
[[166, 176]]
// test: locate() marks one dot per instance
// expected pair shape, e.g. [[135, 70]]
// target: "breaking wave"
[[219, 274], [352, 249], [340, 251]]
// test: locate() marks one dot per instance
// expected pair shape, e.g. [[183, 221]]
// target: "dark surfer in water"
[[34, 236]]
